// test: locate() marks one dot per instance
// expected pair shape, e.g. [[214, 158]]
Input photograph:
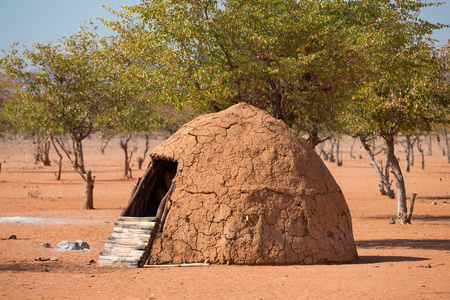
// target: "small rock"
[[12, 237], [78, 245], [433, 203], [54, 258], [46, 245], [392, 221], [73, 246], [63, 245], [92, 261], [83, 245]]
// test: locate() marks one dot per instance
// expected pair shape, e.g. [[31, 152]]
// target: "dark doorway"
[[151, 189]]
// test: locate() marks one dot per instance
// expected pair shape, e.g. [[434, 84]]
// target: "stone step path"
[[127, 243]]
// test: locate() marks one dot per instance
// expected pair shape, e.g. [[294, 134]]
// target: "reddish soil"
[[395, 261]]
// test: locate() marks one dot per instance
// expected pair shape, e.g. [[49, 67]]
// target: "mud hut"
[[241, 187]]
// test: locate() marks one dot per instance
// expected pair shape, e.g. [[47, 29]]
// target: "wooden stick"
[[146, 219], [133, 198], [410, 208], [164, 215], [159, 213], [178, 265]]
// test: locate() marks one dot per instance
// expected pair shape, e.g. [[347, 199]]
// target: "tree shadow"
[[434, 198], [430, 218], [45, 266], [26, 266], [375, 259], [427, 244], [414, 217]]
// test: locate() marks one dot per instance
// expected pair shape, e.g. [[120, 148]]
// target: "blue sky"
[[32, 21]]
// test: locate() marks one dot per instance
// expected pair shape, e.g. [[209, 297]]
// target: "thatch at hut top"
[[240, 186]]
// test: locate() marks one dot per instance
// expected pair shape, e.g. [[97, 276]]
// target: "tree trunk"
[[141, 159], [313, 139], [126, 164], [322, 151], [37, 149], [440, 146], [351, 149], [408, 153], [399, 181], [411, 208], [124, 145], [78, 165], [430, 145], [331, 153], [44, 152], [57, 175], [338, 159], [423, 160], [89, 199], [103, 144], [385, 185], [389, 192], [421, 150], [447, 145], [78, 154]]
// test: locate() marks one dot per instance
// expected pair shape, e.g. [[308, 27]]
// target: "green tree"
[[291, 58], [317, 65], [10, 124], [7, 96], [403, 88], [138, 117], [68, 88], [138, 113]]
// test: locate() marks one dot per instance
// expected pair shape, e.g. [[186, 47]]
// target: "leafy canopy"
[[69, 86], [402, 85], [291, 58]]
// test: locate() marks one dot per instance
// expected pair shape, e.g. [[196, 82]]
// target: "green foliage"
[[71, 86], [290, 58], [7, 99], [402, 87], [317, 65]]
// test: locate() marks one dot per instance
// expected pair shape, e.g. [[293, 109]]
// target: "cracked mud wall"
[[250, 190]]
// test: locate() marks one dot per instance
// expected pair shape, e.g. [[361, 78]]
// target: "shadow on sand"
[[427, 244], [375, 259], [424, 218]]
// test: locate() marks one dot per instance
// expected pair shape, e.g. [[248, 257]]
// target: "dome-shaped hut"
[[239, 186]]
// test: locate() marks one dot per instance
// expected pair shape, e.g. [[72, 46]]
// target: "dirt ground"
[[395, 261]]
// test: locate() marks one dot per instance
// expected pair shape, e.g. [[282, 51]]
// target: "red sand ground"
[[396, 262]]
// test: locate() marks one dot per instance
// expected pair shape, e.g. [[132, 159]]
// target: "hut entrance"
[[135, 230], [153, 187]]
